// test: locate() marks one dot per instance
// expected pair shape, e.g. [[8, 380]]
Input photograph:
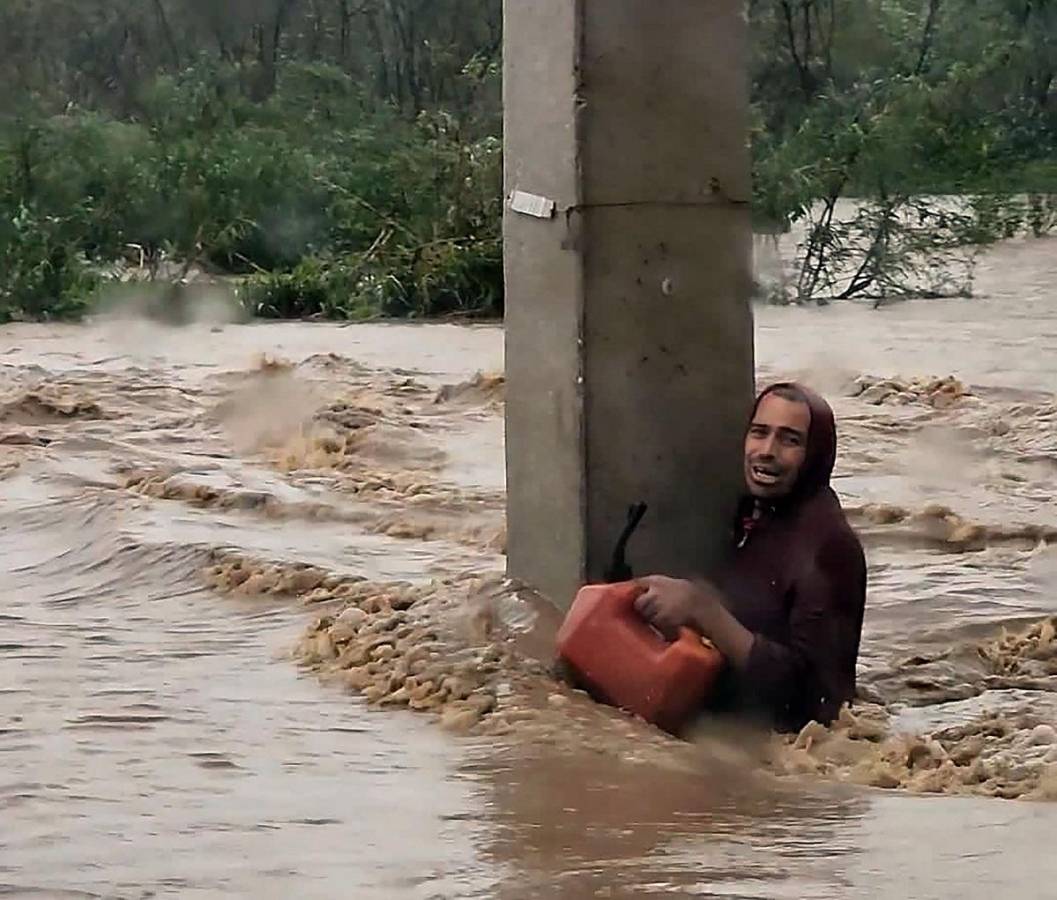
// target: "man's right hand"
[[669, 604]]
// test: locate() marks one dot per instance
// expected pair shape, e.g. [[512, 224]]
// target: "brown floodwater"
[[157, 740]]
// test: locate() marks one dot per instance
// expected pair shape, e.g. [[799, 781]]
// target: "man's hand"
[[672, 603], [669, 604]]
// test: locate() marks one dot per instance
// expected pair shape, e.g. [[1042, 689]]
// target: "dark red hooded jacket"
[[797, 580]]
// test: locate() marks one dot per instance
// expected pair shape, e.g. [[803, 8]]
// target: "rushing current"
[[185, 512]]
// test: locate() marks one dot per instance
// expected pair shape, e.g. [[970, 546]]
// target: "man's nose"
[[768, 446]]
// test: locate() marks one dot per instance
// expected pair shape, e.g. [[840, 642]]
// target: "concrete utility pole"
[[628, 245]]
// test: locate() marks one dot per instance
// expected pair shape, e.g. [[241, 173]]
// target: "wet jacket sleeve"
[[813, 673]]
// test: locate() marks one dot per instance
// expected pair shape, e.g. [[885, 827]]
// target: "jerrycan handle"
[[630, 591]]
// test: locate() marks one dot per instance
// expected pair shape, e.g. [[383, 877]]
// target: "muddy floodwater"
[[255, 639]]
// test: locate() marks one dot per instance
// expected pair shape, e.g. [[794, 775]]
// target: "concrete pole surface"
[[627, 262]]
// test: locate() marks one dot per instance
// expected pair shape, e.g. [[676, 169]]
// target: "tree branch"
[[804, 73], [166, 30], [927, 35]]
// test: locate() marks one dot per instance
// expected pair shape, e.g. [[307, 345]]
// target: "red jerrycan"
[[625, 662]]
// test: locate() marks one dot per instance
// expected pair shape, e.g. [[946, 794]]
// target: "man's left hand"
[[669, 604]]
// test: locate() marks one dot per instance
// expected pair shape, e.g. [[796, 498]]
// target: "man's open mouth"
[[765, 475]]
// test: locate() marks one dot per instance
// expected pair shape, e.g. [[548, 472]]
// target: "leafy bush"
[[329, 208], [42, 274], [446, 277], [341, 159]]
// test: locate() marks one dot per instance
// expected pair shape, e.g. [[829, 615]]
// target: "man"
[[787, 609]]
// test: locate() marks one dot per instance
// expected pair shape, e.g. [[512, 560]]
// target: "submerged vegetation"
[[342, 158]]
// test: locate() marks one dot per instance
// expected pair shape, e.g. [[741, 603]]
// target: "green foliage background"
[[342, 158]]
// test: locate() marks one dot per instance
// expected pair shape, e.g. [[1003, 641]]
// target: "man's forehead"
[[779, 412]]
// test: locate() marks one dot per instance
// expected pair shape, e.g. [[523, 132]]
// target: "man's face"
[[775, 446]]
